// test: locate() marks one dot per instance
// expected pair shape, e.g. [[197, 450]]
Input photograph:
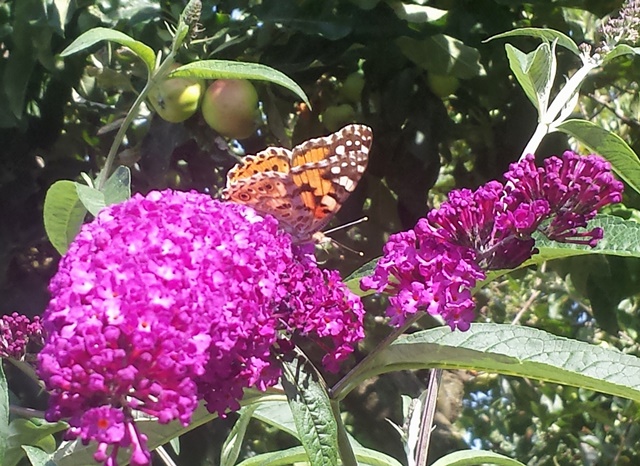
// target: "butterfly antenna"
[[346, 225], [323, 238], [344, 246]]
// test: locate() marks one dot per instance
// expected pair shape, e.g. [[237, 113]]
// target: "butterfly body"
[[302, 188]]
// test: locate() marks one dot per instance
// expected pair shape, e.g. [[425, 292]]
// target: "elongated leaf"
[[233, 442], [474, 457], [298, 455], [353, 280], [312, 413], [91, 198], [612, 147], [63, 214], [4, 414], [95, 35], [417, 13], [534, 71], [548, 35], [513, 350], [619, 50], [443, 55], [74, 453], [60, 14], [621, 238], [34, 432], [118, 187], [224, 69], [38, 457]]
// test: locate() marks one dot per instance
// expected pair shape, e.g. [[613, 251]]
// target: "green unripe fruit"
[[442, 85], [352, 87], [176, 99], [337, 116], [230, 106]]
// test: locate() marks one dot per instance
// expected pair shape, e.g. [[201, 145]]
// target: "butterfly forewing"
[[272, 159]]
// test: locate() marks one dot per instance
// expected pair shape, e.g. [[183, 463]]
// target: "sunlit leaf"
[[513, 350], [548, 35], [311, 410], [620, 50], [475, 457], [612, 147], [91, 198], [63, 214], [233, 442], [95, 35], [117, 188], [534, 71], [224, 69]]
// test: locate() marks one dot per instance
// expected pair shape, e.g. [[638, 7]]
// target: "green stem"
[[159, 73]]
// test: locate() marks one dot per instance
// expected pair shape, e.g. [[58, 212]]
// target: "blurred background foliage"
[[445, 112]]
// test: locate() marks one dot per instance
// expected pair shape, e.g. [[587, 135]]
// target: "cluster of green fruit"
[[229, 106], [343, 112]]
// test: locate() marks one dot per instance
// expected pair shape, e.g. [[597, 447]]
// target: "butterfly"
[[302, 188]]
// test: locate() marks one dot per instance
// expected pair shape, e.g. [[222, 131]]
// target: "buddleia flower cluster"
[[172, 298], [624, 28], [20, 336], [435, 266]]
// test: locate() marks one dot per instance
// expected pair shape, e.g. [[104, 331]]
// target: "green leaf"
[[473, 458], [33, 432], [311, 410], [442, 55], [233, 443], [118, 187], [353, 280], [417, 13], [95, 35], [619, 50], [534, 71], [298, 455], [74, 453], [175, 445], [547, 35], [612, 147], [91, 198], [277, 414], [621, 238], [38, 457], [4, 414], [277, 458], [17, 72], [516, 351], [60, 14], [225, 69], [63, 214]]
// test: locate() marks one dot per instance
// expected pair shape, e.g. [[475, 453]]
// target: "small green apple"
[[336, 116], [230, 106], [352, 87], [176, 99], [442, 85]]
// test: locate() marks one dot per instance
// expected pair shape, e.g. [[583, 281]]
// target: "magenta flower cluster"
[[435, 266], [20, 335], [172, 298]]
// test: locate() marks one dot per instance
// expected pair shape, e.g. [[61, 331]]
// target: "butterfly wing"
[[326, 171], [305, 187], [272, 159]]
